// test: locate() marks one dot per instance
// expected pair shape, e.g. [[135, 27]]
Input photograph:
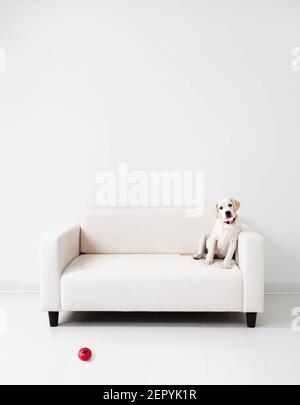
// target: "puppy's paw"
[[226, 265], [208, 261], [197, 256]]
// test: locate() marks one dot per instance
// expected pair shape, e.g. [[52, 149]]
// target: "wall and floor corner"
[[169, 85]]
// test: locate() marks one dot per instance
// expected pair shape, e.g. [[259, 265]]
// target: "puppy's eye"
[[220, 208], [229, 205]]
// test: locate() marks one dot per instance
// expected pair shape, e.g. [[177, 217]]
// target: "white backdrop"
[[202, 85]]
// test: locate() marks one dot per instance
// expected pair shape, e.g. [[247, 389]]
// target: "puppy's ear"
[[215, 211], [236, 204]]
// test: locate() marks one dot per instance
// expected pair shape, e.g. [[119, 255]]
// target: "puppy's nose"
[[228, 214]]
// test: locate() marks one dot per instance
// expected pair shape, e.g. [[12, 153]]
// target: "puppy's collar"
[[230, 222]]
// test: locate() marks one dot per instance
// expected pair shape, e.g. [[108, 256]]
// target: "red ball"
[[85, 354]]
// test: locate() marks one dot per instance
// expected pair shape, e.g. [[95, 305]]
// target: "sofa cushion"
[[149, 282], [141, 231]]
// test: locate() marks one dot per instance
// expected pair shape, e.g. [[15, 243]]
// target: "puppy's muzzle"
[[228, 214]]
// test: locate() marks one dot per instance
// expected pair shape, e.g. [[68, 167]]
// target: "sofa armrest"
[[57, 250], [251, 261]]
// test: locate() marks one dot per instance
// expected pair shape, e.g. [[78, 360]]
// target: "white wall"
[[158, 84]]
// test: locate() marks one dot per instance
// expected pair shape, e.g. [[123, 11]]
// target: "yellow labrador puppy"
[[222, 242]]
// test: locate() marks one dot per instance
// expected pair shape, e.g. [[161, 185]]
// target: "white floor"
[[148, 349]]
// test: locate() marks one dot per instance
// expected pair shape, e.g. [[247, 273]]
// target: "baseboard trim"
[[282, 288], [33, 288], [19, 287]]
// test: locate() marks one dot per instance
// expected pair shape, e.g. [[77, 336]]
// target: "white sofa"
[[140, 260]]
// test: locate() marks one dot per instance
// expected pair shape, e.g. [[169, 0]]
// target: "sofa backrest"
[[141, 231]]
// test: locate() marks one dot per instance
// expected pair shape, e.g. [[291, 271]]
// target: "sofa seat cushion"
[[149, 282]]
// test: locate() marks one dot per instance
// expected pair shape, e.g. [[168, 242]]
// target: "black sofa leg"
[[53, 318], [251, 319]]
